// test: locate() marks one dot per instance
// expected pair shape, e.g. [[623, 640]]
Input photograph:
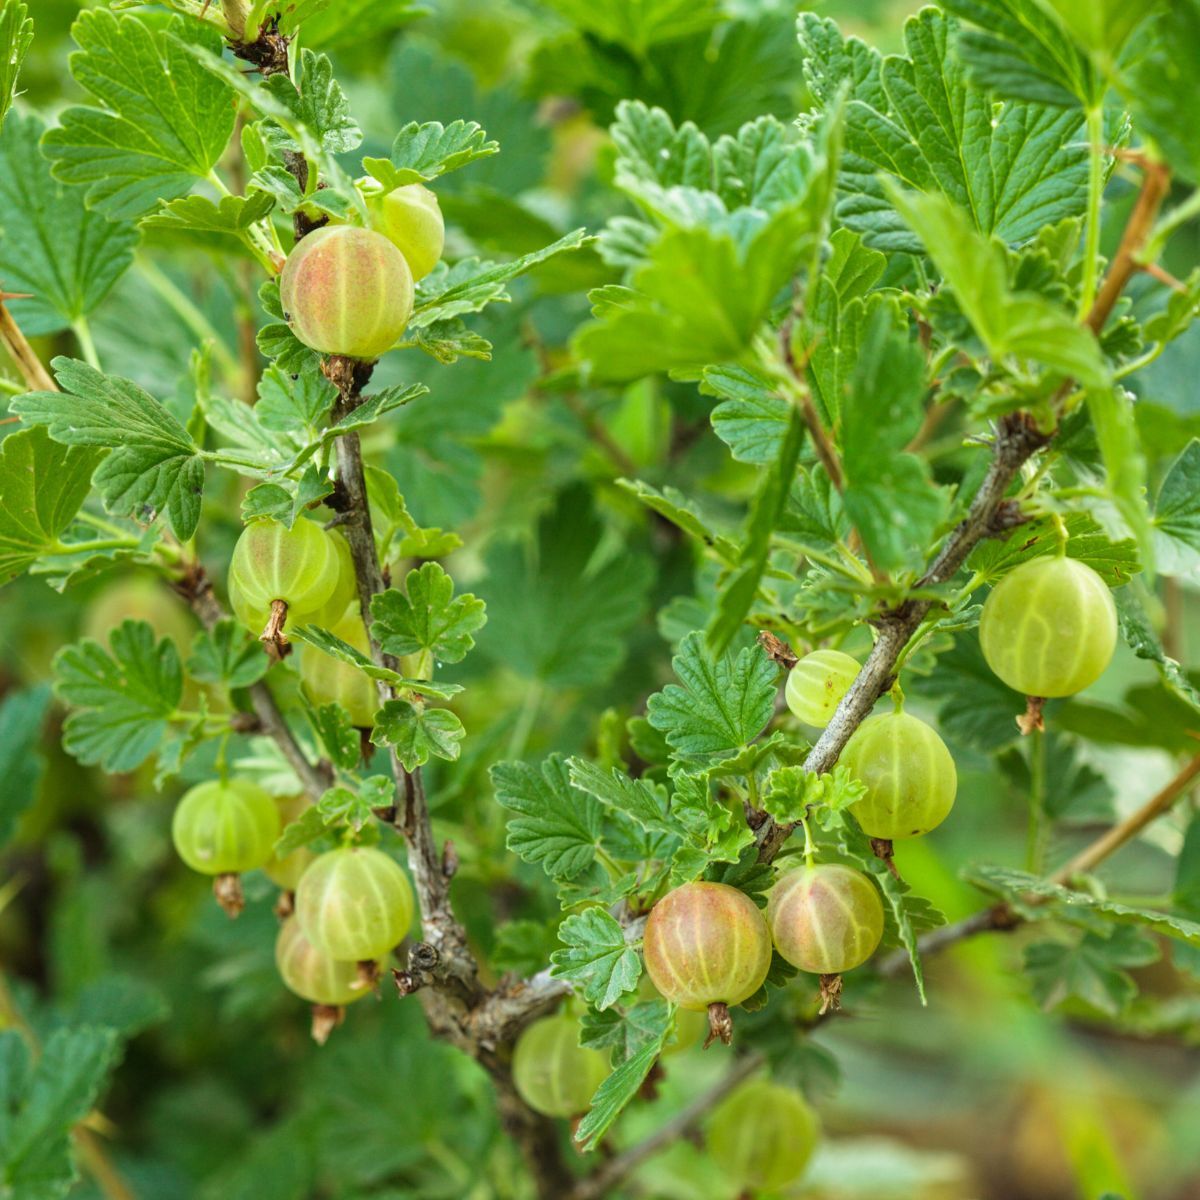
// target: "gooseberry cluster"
[[348, 290]]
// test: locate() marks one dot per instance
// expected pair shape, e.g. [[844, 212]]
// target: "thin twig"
[[36, 377], [600, 435]]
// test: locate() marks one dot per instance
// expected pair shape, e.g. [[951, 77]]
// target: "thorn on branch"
[[720, 1025], [778, 651], [1032, 718]]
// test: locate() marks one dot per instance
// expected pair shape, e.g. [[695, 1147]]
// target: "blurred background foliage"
[[221, 1093]]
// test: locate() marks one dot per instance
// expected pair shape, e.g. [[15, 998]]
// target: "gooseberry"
[[312, 975], [705, 944], [552, 1072], [1049, 627], [817, 683], [222, 828], [285, 872], [347, 290], [345, 591], [354, 904], [411, 219], [762, 1135], [140, 598], [825, 918], [328, 680], [908, 772], [298, 566]]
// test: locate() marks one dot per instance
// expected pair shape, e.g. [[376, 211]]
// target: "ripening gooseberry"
[[347, 290], [299, 566], [411, 219], [1049, 627], [140, 598], [908, 772], [328, 680], [707, 943], [314, 976], [762, 1135], [552, 1072], [285, 872], [825, 918], [225, 828], [817, 683], [345, 591], [355, 903]]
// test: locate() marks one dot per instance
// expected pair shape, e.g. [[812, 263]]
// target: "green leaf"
[[1021, 52], [317, 101], [1091, 970], [327, 643], [1022, 325], [227, 655], [555, 825], [22, 715], [422, 152], [342, 806], [427, 616], [921, 122], [598, 961], [44, 1104], [1102, 27], [752, 418], [153, 461], [792, 791], [1161, 75], [640, 24], [341, 740], [121, 700], [16, 33], [639, 799], [1177, 511], [889, 496], [723, 704], [624, 1033], [42, 486], [1079, 907], [418, 733], [145, 142], [1111, 410], [232, 215], [305, 829], [51, 246], [1145, 643], [1115, 562], [621, 1087], [557, 612]]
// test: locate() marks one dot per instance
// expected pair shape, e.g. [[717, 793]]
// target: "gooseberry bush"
[[570, 552]]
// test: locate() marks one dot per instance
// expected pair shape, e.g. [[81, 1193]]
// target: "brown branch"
[[599, 1184], [35, 375]]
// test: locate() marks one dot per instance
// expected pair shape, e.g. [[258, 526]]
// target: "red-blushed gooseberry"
[[355, 903], [313, 975], [298, 566], [1049, 627], [908, 772], [225, 828], [411, 219], [348, 291], [826, 918], [328, 680], [762, 1135], [706, 943], [816, 684], [552, 1072]]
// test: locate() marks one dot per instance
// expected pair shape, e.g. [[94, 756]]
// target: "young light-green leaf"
[[427, 616]]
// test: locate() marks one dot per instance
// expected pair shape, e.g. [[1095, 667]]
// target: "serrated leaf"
[[152, 461], [306, 828], [615, 1093], [427, 616], [921, 121], [316, 101], [1177, 511], [598, 961], [344, 806], [624, 1033], [423, 151], [752, 418], [720, 704], [1111, 410], [556, 825], [42, 486], [418, 733], [51, 247], [327, 643], [638, 799], [145, 142], [232, 215], [1115, 562], [16, 33], [121, 700], [1146, 644], [227, 655], [1091, 970], [791, 792], [341, 740]]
